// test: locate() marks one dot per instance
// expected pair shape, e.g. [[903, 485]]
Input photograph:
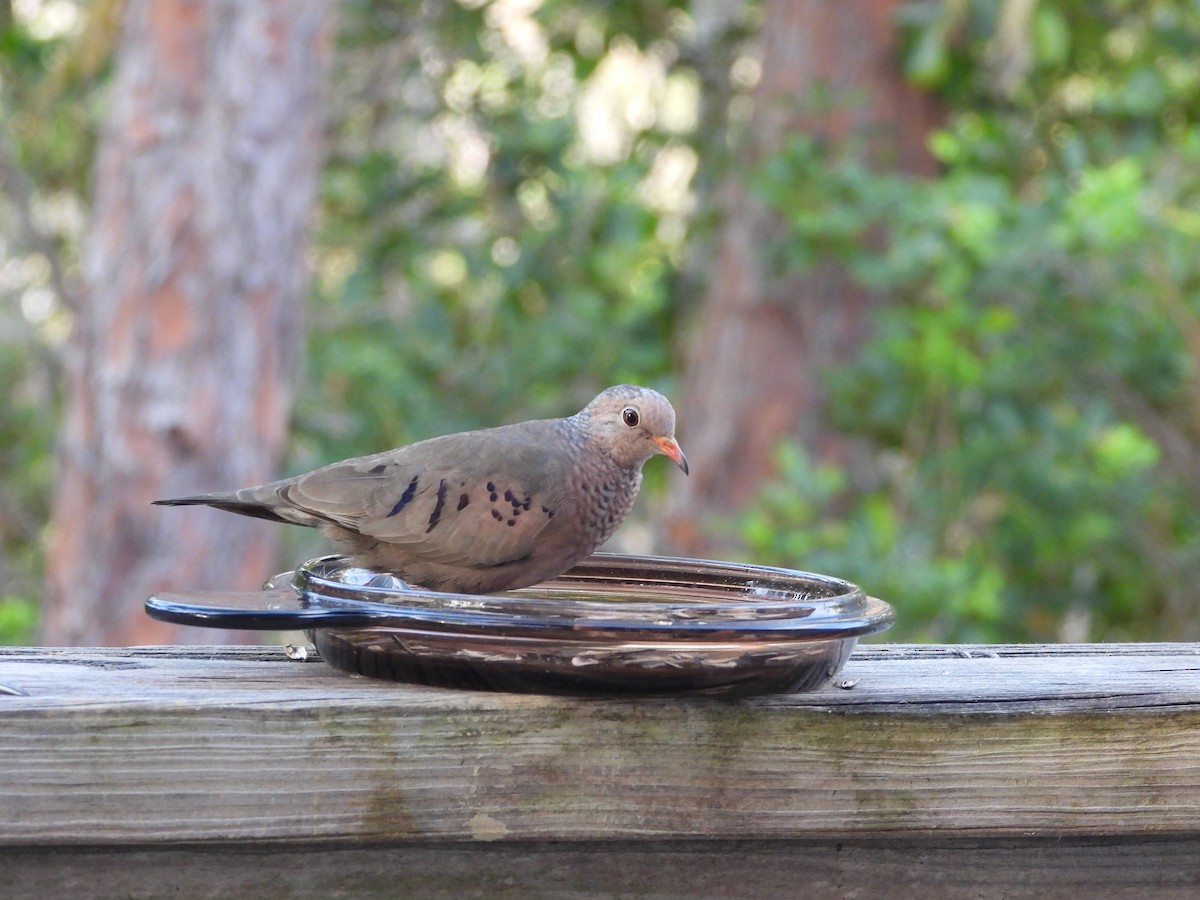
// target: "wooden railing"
[[921, 770]]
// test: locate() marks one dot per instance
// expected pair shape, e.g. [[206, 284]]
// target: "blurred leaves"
[[510, 221], [1032, 388], [505, 213], [52, 64]]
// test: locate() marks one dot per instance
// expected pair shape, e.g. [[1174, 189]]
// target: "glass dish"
[[614, 624]]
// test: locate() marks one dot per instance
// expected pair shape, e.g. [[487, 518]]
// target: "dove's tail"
[[230, 502]]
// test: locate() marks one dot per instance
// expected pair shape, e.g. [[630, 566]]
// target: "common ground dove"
[[480, 511]]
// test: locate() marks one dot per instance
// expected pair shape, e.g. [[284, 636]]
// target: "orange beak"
[[670, 449]]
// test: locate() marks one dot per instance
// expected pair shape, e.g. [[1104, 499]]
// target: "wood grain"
[[153, 747]]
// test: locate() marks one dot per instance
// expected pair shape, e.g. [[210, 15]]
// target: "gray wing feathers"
[[446, 500]]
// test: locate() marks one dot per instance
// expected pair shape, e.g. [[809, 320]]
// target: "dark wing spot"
[[404, 498], [496, 516], [463, 500], [512, 521], [494, 497], [508, 495], [379, 469], [491, 486], [436, 515]]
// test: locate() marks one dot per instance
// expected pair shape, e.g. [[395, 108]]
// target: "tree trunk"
[[762, 342], [181, 366]]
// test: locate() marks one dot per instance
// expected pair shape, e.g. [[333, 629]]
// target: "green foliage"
[[26, 439], [812, 515], [18, 621], [47, 129], [1033, 386], [498, 239]]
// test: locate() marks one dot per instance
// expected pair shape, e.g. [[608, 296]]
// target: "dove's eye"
[[630, 416]]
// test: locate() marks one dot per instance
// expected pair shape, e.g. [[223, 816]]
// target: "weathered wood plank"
[[160, 746], [1161, 868]]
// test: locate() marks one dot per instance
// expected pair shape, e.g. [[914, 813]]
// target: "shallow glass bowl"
[[614, 624]]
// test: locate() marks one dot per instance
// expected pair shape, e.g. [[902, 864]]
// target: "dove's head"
[[634, 423]]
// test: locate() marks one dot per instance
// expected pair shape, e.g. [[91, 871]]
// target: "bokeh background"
[[921, 277]]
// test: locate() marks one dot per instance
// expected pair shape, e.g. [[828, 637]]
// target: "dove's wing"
[[475, 499]]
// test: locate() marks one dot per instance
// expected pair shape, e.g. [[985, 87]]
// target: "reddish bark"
[[180, 369], [762, 342]]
